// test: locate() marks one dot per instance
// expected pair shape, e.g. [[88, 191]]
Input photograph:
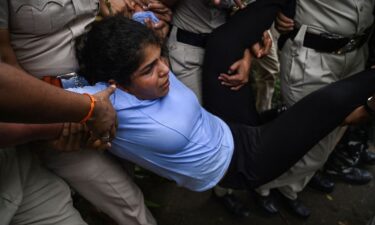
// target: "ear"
[[121, 87]]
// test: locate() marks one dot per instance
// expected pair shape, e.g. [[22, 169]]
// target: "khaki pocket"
[[40, 16]]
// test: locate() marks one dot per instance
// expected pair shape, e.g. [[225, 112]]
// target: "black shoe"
[[321, 183], [367, 157], [297, 207], [267, 203], [351, 175], [234, 205], [347, 154]]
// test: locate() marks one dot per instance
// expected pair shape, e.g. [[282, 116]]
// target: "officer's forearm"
[[25, 99], [14, 134]]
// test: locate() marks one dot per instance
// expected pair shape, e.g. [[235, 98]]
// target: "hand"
[[116, 7], [358, 116], [283, 24], [161, 11], [101, 143], [262, 49], [237, 2], [103, 121], [72, 138], [241, 68], [161, 28]]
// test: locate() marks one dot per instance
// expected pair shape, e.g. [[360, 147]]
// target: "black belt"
[[191, 38], [330, 43]]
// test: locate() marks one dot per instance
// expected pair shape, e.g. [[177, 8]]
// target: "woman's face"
[[151, 79]]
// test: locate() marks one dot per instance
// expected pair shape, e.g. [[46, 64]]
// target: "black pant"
[[226, 45], [265, 152]]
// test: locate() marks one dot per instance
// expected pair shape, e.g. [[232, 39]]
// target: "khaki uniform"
[[30, 194], [186, 60], [43, 32], [304, 70], [267, 69], [43, 35], [197, 16]]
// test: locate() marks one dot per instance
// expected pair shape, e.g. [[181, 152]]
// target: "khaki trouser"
[[303, 71], [99, 178], [30, 194], [186, 63], [267, 68]]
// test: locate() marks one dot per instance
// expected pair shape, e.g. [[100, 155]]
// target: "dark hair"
[[113, 49]]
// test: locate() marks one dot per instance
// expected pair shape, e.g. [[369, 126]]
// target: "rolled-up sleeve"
[[4, 14]]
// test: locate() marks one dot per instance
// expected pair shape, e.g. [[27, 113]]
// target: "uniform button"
[[172, 47]]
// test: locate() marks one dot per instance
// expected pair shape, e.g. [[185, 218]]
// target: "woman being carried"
[[163, 128]]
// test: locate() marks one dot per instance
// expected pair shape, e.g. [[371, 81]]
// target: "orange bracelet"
[[92, 106]]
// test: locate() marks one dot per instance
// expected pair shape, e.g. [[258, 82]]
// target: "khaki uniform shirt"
[[198, 16], [342, 17], [43, 32]]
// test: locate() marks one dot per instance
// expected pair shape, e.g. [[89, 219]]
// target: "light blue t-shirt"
[[172, 136]]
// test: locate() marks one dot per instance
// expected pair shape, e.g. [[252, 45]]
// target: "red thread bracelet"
[[92, 106]]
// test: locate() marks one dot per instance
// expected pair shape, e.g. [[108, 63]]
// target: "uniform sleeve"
[[4, 14]]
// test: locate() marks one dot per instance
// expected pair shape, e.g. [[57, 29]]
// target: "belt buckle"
[[330, 36], [67, 75], [346, 48], [350, 46]]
